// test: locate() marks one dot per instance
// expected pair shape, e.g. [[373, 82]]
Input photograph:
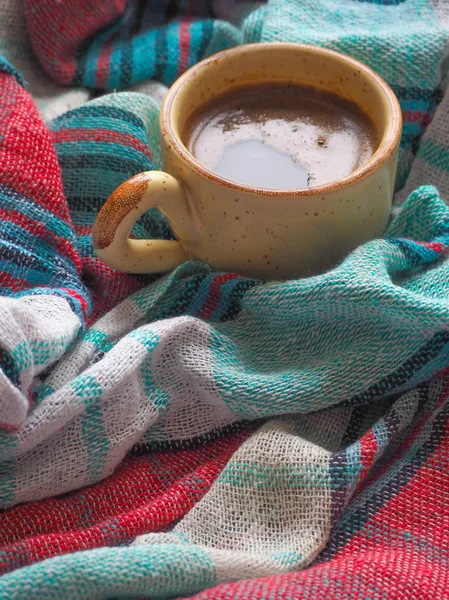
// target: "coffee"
[[280, 135]]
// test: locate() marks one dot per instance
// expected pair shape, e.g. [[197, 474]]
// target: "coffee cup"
[[268, 233]]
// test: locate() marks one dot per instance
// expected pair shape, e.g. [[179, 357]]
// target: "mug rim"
[[390, 138]]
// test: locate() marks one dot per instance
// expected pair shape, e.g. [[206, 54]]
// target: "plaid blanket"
[[203, 433]]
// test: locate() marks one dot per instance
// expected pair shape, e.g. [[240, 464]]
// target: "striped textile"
[[128, 49], [149, 491], [99, 145], [134, 43], [204, 433]]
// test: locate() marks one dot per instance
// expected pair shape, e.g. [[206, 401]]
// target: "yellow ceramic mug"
[[271, 234]]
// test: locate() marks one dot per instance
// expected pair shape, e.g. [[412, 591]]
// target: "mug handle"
[[125, 205]]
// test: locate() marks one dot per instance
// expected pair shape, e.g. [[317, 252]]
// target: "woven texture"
[[51, 98], [212, 434]]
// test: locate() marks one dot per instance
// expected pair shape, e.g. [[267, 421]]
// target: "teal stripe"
[[114, 70], [415, 105], [381, 436], [96, 337], [84, 217], [434, 154], [85, 122], [45, 353], [93, 54], [412, 128], [85, 246], [162, 570], [96, 442], [38, 213], [226, 290], [354, 465], [47, 276], [172, 53], [22, 356], [45, 391], [155, 394], [144, 56], [288, 559], [268, 477], [200, 297], [32, 243], [105, 181], [105, 149]]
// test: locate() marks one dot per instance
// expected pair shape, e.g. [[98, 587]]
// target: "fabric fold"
[[44, 301], [213, 434]]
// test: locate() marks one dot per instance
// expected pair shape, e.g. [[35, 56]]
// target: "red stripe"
[[100, 135], [81, 300], [407, 443], [416, 116], [184, 45], [409, 509], [387, 572], [10, 427], [435, 246], [83, 230], [443, 373], [146, 493], [400, 552], [16, 284], [214, 295], [368, 445], [103, 64]]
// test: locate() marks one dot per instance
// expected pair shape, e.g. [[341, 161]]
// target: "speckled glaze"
[[272, 234]]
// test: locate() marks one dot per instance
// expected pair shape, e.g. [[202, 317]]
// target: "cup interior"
[[289, 63]]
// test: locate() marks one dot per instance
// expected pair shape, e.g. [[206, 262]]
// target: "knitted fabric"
[[292, 437]]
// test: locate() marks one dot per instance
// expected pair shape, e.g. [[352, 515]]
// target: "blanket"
[[205, 434]]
